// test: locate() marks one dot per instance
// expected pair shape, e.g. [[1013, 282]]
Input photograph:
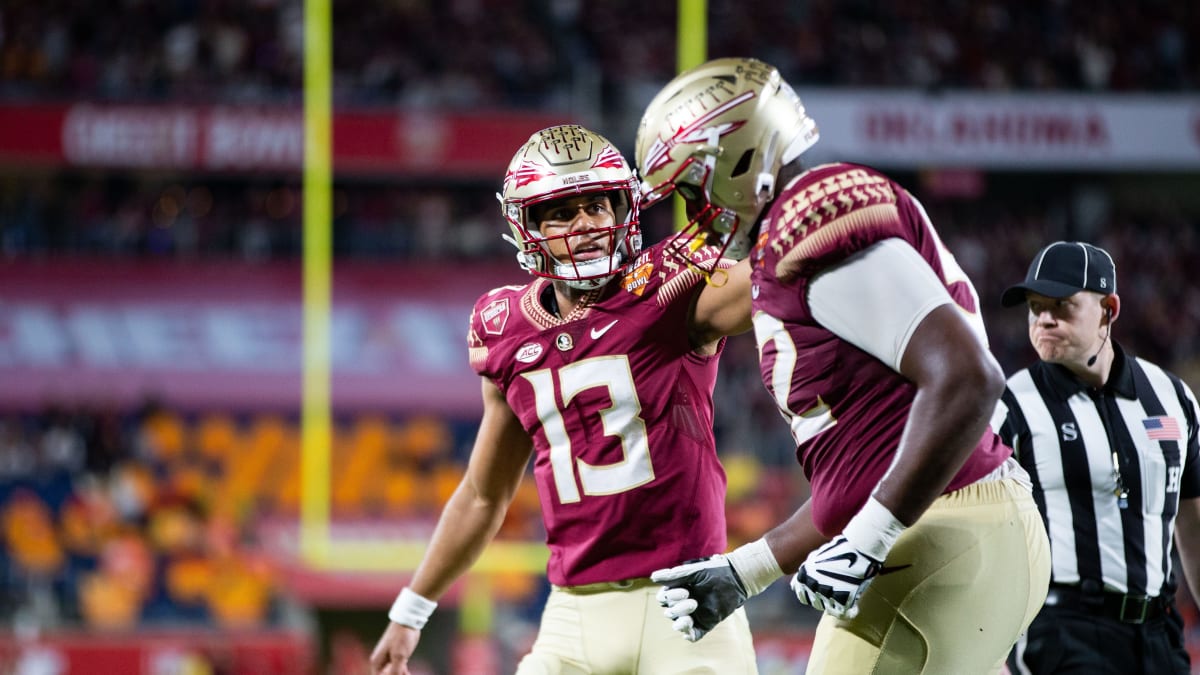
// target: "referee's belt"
[[1123, 607]]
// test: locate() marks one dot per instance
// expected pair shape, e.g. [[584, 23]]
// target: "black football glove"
[[699, 594]]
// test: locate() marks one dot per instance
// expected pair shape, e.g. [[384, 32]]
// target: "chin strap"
[[527, 261], [593, 268], [764, 189], [568, 272]]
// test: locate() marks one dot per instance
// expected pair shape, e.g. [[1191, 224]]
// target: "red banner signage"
[[197, 138], [883, 128], [157, 653]]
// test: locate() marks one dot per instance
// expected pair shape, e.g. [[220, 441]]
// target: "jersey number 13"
[[621, 419]]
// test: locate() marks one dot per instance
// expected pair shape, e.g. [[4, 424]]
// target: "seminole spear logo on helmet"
[[696, 131]]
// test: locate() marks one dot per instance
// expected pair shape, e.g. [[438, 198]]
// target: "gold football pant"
[[956, 591], [619, 628]]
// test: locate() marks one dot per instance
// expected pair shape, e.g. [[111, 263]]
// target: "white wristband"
[[411, 609], [873, 530], [755, 565]]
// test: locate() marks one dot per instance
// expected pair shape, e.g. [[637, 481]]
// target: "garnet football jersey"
[[847, 409], [619, 408]]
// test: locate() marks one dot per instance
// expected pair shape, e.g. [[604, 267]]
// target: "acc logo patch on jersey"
[[495, 316], [635, 281], [529, 352]]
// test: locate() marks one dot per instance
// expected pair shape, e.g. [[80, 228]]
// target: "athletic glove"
[[834, 576], [698, 594]]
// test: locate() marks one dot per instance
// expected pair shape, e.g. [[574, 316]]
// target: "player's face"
[[1065, 330], [577, 229]]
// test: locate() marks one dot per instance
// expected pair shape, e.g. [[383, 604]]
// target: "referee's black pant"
[[1087, 640]]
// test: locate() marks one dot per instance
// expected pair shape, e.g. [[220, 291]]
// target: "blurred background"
[[150, 279]]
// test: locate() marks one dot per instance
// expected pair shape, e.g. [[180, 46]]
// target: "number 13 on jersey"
[[621, 420]]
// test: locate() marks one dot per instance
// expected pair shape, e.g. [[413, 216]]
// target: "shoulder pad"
[[489, 317], [831, 213]]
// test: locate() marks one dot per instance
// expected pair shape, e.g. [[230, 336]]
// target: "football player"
[[601, 370], [929, 554]]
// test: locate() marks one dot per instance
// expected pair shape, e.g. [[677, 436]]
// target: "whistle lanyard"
[[1120, 490]]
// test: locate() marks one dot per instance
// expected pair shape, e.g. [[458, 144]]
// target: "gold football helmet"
[[567, 161], [718, 134]]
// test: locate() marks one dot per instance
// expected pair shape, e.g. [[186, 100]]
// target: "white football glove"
[[834, 576], [699, 594]]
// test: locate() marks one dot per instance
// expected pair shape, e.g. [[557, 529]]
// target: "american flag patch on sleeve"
[[1162, 428]]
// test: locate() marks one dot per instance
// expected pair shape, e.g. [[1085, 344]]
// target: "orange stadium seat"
[[523, 520], [87, 518], [107, 603], [217, 437], [189, 479], [30, 535], [173, 529], [164, 434], [424, 438], [371, 434], [400, 490], [189, 578], [238, 596], [359, 465], [513, 586], [270, 431], [286, 496], [445, 480], [251, 475]]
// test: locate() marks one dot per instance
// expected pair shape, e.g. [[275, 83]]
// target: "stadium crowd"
[[543, 53]]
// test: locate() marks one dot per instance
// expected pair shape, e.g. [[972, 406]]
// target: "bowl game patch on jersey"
[[639, 275]]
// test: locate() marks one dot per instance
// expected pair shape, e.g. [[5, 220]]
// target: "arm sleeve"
[[876, 299]]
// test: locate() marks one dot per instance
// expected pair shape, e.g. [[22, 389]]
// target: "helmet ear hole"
[[743, 163]]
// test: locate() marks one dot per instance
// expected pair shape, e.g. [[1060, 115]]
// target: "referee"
[[1110, 442]]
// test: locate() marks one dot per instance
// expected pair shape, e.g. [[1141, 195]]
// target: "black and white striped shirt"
[[1064, 432]]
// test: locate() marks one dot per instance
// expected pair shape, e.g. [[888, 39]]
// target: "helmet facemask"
[[708, 224], [564, 162]]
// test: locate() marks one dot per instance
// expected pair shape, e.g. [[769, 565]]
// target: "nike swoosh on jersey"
[[597, 333]]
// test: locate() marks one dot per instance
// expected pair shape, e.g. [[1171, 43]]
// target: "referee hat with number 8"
[[1063, 269]]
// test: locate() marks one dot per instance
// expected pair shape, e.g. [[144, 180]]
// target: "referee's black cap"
[[1064, 268]]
